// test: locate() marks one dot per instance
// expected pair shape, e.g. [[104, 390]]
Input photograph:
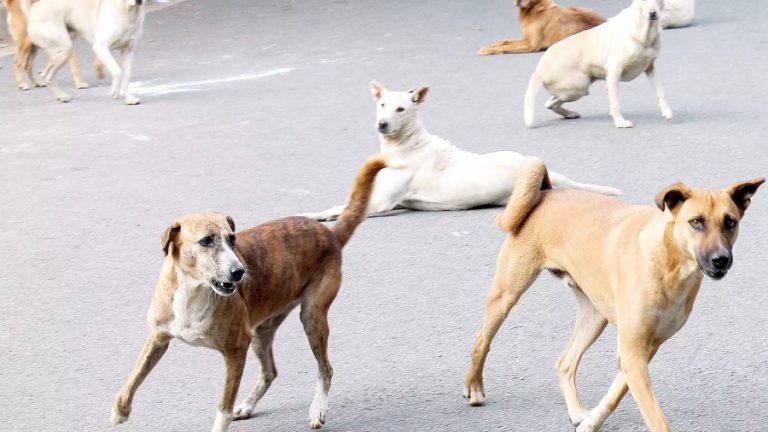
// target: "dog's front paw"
[[82, 85], [117, 417], [243, 411], [132, 100], [63, 97], [487, 50], [22, 85], [623, 124], [317, 413], [666, 113], [474, 392], [589, 424]]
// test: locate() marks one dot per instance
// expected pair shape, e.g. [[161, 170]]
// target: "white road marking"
[[193, 86]]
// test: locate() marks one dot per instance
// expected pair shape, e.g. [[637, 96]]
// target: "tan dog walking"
[[226, 294], [637, 267], [544, 23]]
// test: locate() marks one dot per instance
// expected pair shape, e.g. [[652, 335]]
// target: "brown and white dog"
[[17, 27], [226, 295], [638, 267], [544, 23]]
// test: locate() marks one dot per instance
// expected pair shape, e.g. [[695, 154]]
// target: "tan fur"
[[544, 23], [289, 262], [637, 267], [22, 62]]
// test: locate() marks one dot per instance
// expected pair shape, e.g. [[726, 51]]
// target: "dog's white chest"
[[193, 310], [673, 317]]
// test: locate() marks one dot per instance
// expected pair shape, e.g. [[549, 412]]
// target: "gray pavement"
[[260, 109]]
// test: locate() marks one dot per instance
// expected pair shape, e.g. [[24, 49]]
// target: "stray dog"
[[638, 267], [677, 13], [225, 294], [106, 24], [618, 50], [17, 27], [432, 174], [544, 23]]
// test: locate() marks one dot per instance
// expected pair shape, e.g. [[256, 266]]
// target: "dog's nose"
[[720, 260], [654, 15], [383, 124], [237, 274]]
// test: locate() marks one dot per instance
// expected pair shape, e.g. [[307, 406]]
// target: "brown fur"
[[22, 62], [638, 267], [289, 262], [544, 23]]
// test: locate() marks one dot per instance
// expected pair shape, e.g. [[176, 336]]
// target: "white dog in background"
[[618, 50], [106, 24], [431, 174], [677, 13]]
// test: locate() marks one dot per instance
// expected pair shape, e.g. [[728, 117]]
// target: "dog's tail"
[[561, 181], [532, 178], [357, 205], [534, 85]]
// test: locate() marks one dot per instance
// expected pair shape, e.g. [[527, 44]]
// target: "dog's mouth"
[[223, 288], [714, 274]]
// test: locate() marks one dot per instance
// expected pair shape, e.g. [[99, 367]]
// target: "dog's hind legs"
[[56, 60], [556, 105], [515, 272], [263, 337], [314, 318], [79, 83], [588, 327], [151, 353]]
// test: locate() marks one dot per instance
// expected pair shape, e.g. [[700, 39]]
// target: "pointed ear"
[[672, 197], [377, 90], [169, 235], [742, 192], [231, 223], [419, 94]]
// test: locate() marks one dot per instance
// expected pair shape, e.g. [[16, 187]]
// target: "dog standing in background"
[[677, 13], [637, 267], [17, 27], [106, 24], [618, 50], [544, 23]]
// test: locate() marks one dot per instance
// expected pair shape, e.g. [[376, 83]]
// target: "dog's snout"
[[383, 124], [237, 273], [721, 260], [654, 15]]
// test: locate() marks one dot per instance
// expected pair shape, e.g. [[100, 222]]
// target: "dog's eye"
[[697, 223], [231, 239], [400, 109], [206, 241], [730, 223]]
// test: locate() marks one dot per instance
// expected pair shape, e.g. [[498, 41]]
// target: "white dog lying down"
[[618, 50], [677, 13], [431, 174], [106, 24]]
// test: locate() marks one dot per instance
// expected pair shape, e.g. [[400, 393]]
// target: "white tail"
[[561, 181], [534, 85]]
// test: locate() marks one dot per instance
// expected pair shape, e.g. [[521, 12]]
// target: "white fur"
[[618, 50], [106, 24], [222, 422], [116, 418], [428, 173], [319, 407], [677, 13]]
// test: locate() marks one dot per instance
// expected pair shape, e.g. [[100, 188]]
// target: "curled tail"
[[532, 178], [561, 181], [357, 205], [534, 85]]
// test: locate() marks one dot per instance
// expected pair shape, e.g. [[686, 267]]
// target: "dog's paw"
[[590, 423], [578, 417], [487, 50], [117, 417], [623, 124], [475, 394], [64, 97], [22, 85], [666, 113], [317, 413], [82, 85], [243, 411], [132, 100]]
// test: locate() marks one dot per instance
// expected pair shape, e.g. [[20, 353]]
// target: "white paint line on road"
[[193, 86]]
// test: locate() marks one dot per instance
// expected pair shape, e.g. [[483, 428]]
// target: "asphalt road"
[[261, 110]]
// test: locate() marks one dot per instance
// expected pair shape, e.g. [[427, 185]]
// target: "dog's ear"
[[231, 223], [169, 235], [742, 192], [419, 94], [672, 197], [377, 90]]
